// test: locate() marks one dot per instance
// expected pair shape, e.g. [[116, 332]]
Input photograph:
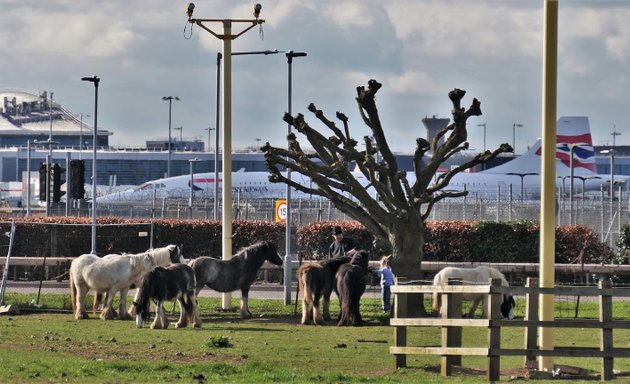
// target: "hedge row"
[[454, 241]]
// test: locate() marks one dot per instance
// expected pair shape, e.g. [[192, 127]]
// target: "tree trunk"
[[406, 261]]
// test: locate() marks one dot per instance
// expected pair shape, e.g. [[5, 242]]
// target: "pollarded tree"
[[397, 217]]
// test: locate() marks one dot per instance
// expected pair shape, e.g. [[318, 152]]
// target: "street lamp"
[[170, 104], [287, 259], [584, 178], [209, 129], [95, 80], [192, 186], [611, 153], [226, 37], [180, 129], [514, 136], [81, 135], [614, 134], [571, 176], [522, 176], [484, 135]]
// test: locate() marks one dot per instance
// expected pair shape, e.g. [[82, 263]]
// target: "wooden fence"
[[451, 324]]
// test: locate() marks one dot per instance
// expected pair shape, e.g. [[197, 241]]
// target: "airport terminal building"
[[33, 120]]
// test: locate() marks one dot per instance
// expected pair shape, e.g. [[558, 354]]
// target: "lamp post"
[[287, 259], [584, 178], [170, 105], [611, 153], [571, 177], [614, 134], [484, 135], [226, 37], [180, 129], [522, 176], [514, 135], [81, 135], [95, 80], [28, 178], [216, 152], [192, 186], [209, 129]]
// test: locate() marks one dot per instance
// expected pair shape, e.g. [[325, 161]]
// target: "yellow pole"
[[548, 176], [226, 131]]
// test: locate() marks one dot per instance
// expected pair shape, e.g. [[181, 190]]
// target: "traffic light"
[[77, 177], [57, 170], [42, 181]]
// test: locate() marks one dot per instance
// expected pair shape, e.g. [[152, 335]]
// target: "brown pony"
[[316, 281], [350, 288]]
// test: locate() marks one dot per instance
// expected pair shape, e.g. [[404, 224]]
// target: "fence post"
[[531, 314], [451, 335], [400, 332], [494, 331], [605, 317]]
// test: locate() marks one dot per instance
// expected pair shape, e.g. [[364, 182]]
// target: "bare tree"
[[397, 217]]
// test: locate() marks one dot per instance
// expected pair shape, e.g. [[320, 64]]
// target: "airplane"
[[522, 173], [573, 137]]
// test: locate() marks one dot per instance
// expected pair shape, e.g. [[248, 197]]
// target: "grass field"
[[44, 347]]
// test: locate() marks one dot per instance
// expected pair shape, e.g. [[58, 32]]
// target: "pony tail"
[[436, 302], [73, 292], [304, 282]]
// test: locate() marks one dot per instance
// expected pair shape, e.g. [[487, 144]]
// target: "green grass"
[[271, 348]]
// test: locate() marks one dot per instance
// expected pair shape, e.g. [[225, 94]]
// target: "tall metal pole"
[[514, 125], [226, 190], [95, 80], [28, 178], [49, 158], [170, 105], [191, 198], [548, 169], [484, 135], [571, 191], [216, 141], [287, 258]]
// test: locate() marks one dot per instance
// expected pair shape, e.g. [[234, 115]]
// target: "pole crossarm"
[[253, 22]]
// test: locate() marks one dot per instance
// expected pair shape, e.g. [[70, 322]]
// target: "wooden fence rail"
[[451, 324]]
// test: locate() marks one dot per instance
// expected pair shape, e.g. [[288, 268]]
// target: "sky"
[[418, 49]]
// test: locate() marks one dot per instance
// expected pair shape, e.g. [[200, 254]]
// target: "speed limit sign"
[[281, 210]]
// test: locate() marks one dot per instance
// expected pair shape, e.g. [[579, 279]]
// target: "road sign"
[[281, 210]]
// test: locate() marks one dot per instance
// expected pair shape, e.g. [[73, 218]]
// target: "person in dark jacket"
[[341, 246]]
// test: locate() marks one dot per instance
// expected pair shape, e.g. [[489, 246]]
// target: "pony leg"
[[326, 307], [317, 315], [183, 314], [245, 313], [122, 306], [194, 316], [306, 313], [132, 309], [108, 312], [161, 321], [80, 312], [473, 308]]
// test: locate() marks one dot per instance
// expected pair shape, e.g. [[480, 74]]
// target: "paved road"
[[258, 291]]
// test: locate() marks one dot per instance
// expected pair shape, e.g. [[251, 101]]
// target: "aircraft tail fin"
[[571, 131]]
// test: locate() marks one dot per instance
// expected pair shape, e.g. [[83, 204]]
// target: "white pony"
[[474, 276], [109, 275], [171, 254]]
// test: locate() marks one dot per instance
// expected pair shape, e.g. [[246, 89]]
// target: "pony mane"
[[254, 248], [162, 256]]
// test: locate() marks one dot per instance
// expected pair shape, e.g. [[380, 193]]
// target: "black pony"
[[316, 281], [177, 281], [237, 273], [350, 288]]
